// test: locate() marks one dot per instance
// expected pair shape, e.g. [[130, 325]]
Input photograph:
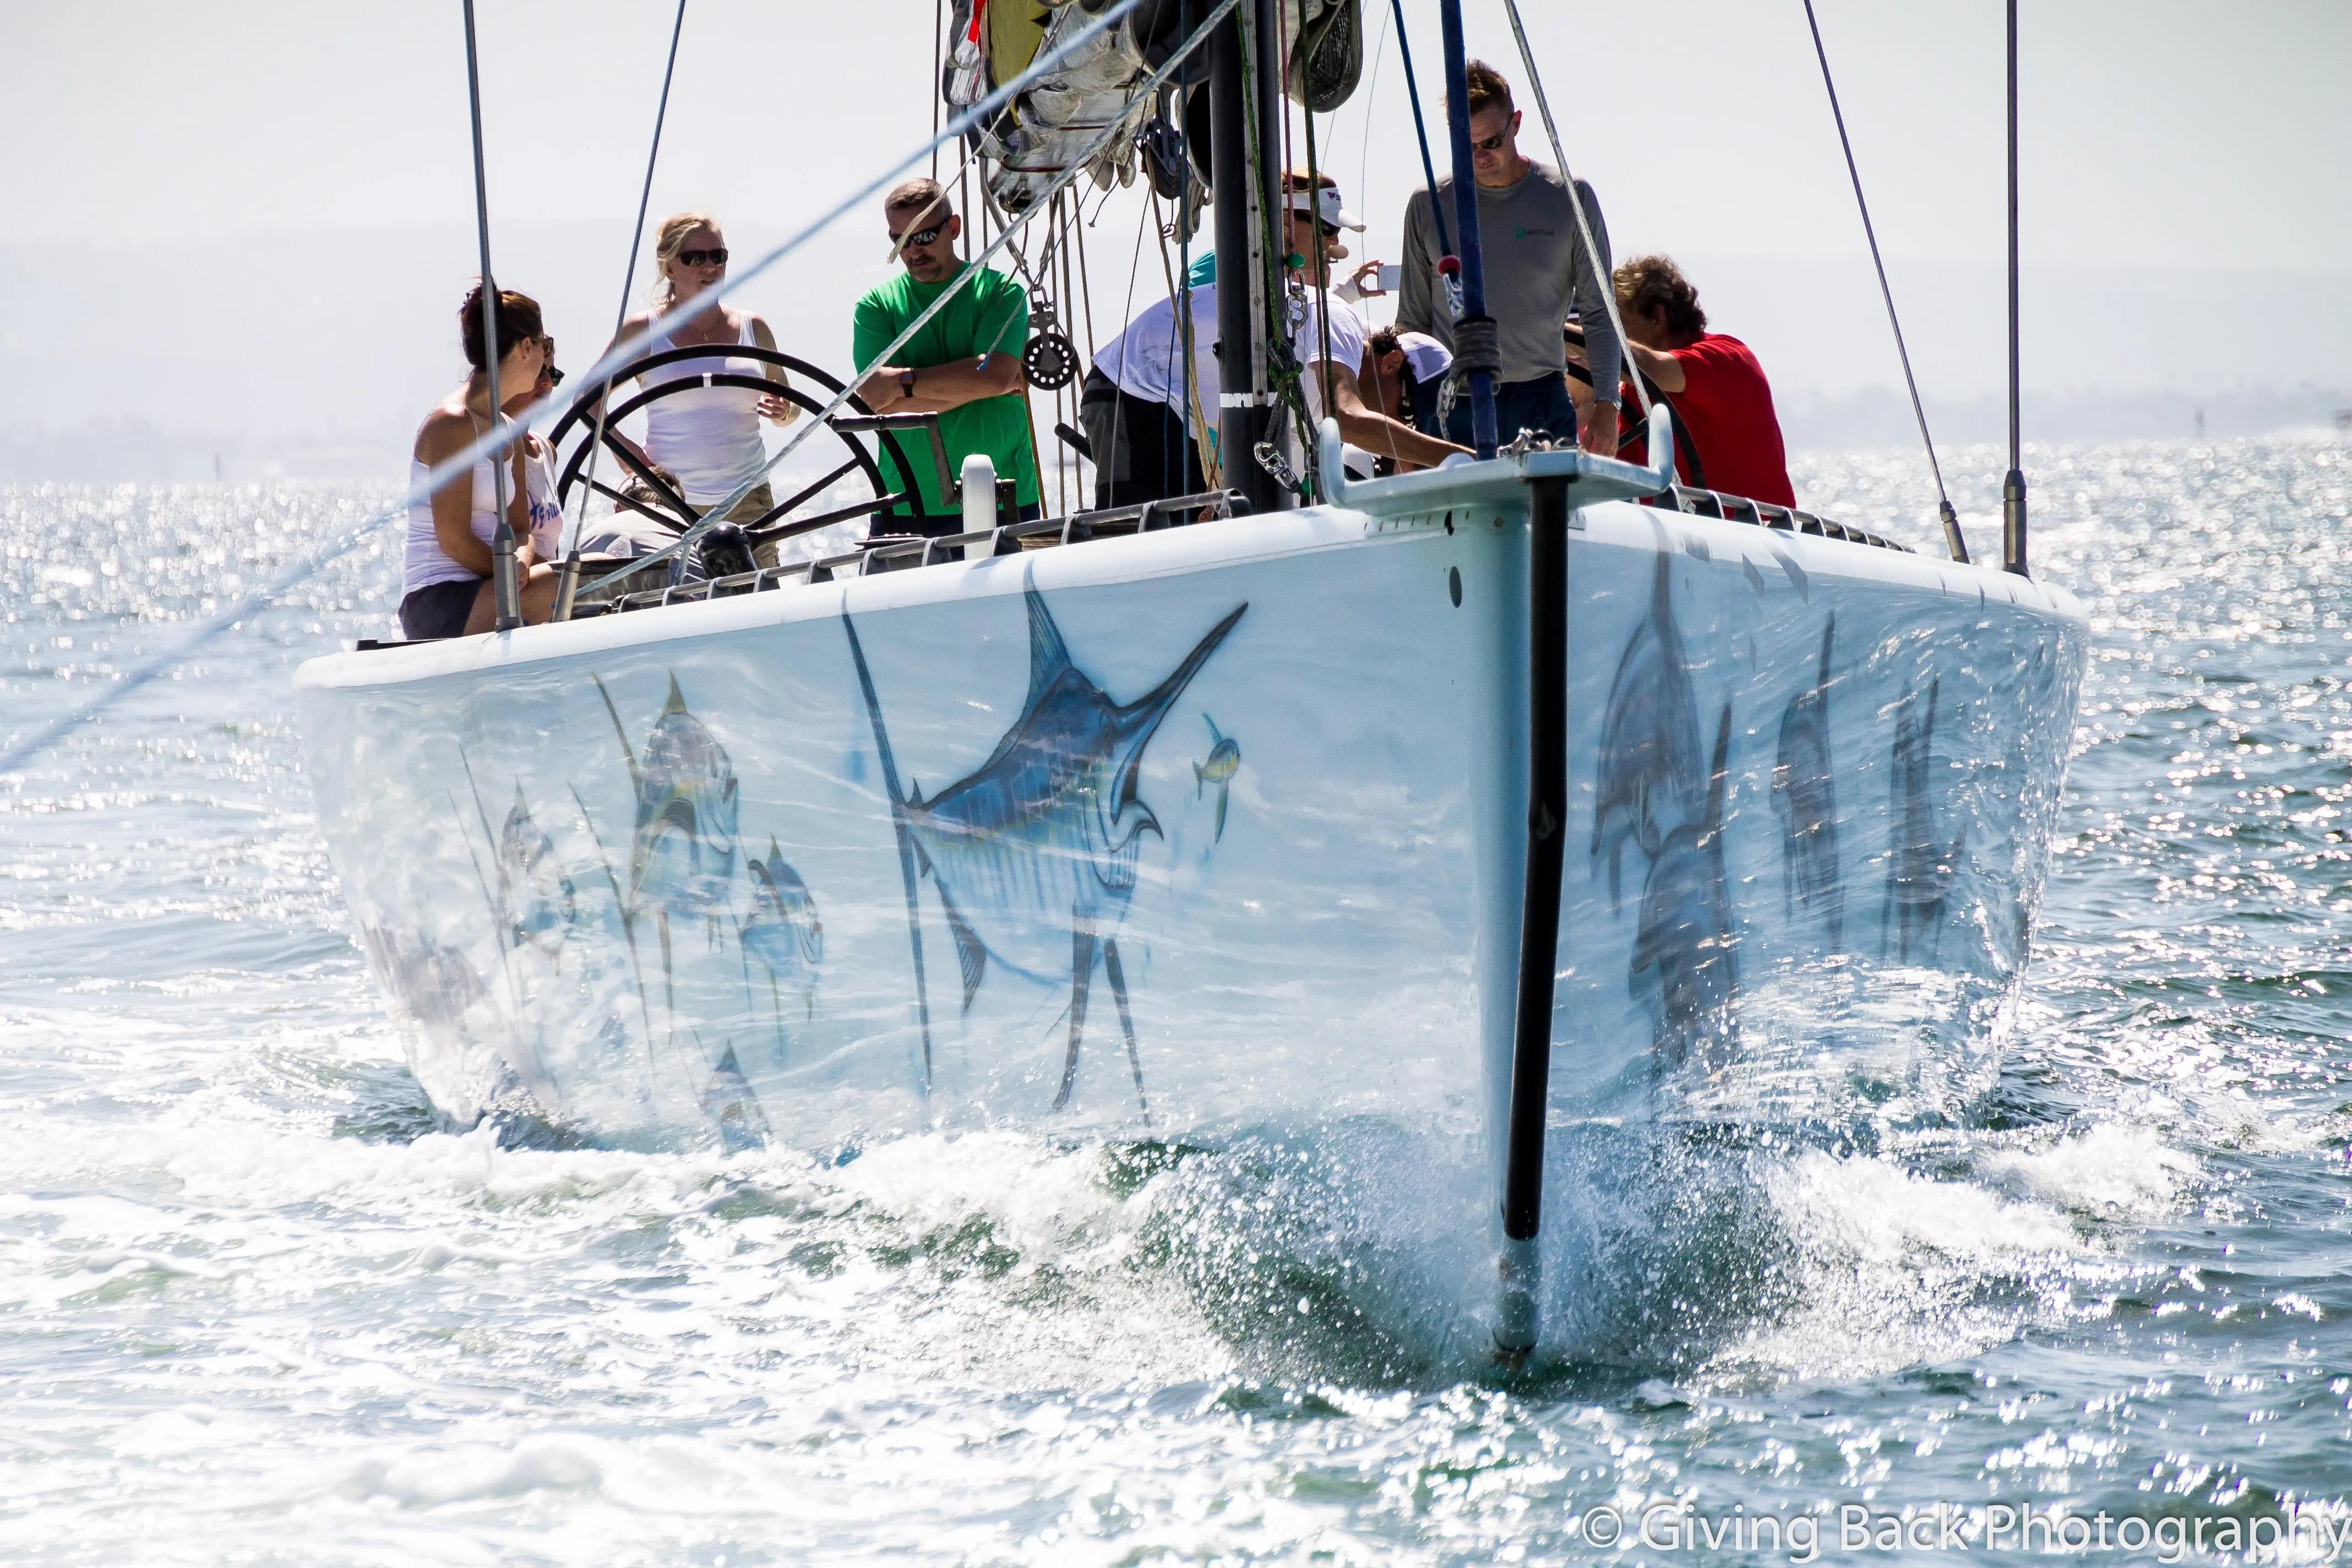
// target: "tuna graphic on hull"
[[1919, 872], [682, 855], [1804, 798], [1685, 964], [1224, 760], [783, 932], [1033, 854], [1648, 765], [535, 897]]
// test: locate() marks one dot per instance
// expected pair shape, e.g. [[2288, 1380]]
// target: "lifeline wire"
[[619, 354], [1957, 545], [620, 317], [676, 551], [1576, 204]]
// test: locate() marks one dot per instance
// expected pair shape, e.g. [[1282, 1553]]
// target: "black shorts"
[[438, 610]]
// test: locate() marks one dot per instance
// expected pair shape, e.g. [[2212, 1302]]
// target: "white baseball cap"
[[1326, 208]]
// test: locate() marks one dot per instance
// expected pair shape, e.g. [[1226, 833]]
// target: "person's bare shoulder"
[[447, 431]]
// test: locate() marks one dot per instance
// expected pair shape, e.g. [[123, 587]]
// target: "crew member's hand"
[[1367, 279], [1600, 433], [783, 410], [881, 390]]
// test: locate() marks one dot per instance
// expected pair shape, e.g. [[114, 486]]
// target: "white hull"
[[562, 905]]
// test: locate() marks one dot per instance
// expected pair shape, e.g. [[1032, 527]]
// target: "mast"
[[2012, 489], [1243, 189], [1473, 334]]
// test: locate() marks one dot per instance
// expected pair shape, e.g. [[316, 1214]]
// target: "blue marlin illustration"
[[535, 896], [1804, 798], [1034, 854], [783, 931], [1921, 869], [1648, 764], [1224, 760], [1686, 963]]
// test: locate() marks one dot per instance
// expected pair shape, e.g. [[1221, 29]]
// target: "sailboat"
[[1530, 792]]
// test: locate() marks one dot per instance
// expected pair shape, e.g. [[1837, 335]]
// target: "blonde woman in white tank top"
[[447, 587], [708, 440]]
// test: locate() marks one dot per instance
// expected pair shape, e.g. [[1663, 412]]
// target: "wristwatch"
[[906, 383]]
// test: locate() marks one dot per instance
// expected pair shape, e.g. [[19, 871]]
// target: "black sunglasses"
[[920, 236], [717, 258], [1496, 140]]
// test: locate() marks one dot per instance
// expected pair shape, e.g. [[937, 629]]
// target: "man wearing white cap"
[[1317, 216], [1145, 365]]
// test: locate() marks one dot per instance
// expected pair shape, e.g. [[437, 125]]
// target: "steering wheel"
[[670, 509]]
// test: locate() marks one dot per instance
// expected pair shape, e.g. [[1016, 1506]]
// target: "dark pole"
[[1523, 1162], [505, 591], [1243, 413], [2012, 489], [1420, 130], [1475, 320]]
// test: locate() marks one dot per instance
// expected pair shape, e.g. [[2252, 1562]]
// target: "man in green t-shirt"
[[963, 365]]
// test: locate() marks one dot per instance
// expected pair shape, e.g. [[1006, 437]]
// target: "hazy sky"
[[283, 192]]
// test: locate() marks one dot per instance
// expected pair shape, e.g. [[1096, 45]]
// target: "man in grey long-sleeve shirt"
[[1535, 271]]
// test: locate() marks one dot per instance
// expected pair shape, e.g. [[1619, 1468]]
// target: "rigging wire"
[[1420, 127], [505, 591], [619, 354], [570, 582], [1372, 98], [1952, 539], [1602, 276]]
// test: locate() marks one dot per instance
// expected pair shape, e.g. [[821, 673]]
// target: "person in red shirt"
[[1726, 435]]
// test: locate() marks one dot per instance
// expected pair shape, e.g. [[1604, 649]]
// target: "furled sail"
[[1099, 88]]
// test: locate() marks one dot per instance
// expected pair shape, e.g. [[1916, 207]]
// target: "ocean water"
[[255, 1309]]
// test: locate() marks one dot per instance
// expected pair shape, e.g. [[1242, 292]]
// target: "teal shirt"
[[989, 315]]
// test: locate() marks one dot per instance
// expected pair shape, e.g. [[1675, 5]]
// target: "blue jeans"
[[1541, 405]]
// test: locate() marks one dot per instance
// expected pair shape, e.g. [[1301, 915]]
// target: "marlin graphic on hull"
[[1033, 853]]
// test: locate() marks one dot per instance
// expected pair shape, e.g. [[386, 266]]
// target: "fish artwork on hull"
[[1033, 854], [1804, 798], [1224, 760], [1648, 765], [1921, 869], [536, 898], [1686, 963], [783, 932], [682, 841]]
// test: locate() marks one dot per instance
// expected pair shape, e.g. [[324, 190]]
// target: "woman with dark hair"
[[446, 588]]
